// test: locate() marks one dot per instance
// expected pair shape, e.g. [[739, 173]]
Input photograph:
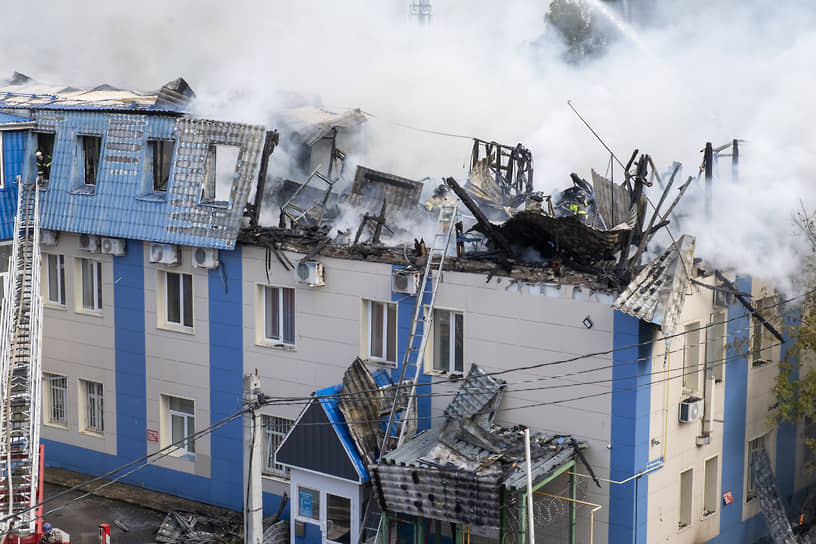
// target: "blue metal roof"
[[122, 203], [8, 119], [328, 400]]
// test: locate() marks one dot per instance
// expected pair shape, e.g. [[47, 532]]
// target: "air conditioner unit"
[[405, 281], [49, 237], [310, 272], [164, 254], [114, 246], [205, 258], [89, 242], [691, 409]]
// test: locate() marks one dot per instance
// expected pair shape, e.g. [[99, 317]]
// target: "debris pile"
[[187, 528]]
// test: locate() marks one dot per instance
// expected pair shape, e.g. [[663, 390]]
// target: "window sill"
[[92, 313], [446, 374], [55, 306], [85, 190], [220, 204], [275, 478], [62, 426], [274, 344], [155, 196], [708, 515], [176, 328], [382, 363], [760, 362], [93, 433]]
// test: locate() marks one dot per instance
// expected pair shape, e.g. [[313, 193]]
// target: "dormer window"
[[220, 170], [91, 147], [158, 159]]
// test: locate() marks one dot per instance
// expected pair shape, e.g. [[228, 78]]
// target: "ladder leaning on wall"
[[402, 417]]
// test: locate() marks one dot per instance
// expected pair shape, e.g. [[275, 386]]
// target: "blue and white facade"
[[139, 347]]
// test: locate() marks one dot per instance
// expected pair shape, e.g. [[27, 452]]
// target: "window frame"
[[313, 492], [180, 325], [691, 376], [153, 145], [715, 349], [94, 408], [453, 316], [711, 497], [50, 399], [389, 337], [60, 265], [187, 448], [209, 186], [686, 493], [754, 445], [271, 467], [96, 277], [50, 152], [283, 317]]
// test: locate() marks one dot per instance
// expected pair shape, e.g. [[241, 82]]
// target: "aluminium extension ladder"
[[401, 419]]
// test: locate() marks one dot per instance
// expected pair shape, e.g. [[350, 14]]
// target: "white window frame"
[[437, 341], [186, 448], [275, 430], [320, 500], [689, 495], [93, 394], [59, 259], [96, 280], [691, 362], [372, 306], [754, 445], [55, 391], [711, 496], [715, 354], [278, 338], [181, 303]]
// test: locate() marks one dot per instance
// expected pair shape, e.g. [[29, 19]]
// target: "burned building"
[[169, 273]]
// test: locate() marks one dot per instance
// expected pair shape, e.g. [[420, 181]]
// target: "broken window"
[[754, 447], [279, 315], [448, 341], [762, 341], [686, 483], [55, 398], [91, 147], [220, 170], [691, 356], [179, 299], [181, 421], [44, 155], [308, 503], [158, 159], [338, 519], [55, 267], [711, 497], [93, 398], [91, 284], [275, 429], [382, 331], [715, 345]]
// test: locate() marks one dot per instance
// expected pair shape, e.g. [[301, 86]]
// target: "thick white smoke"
[[695, 71]]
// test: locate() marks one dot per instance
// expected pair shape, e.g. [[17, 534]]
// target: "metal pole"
[[529, 485], [253, 499], [735, 160], [708, 164]]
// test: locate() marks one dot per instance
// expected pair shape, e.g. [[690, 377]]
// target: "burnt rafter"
[[748, 306], [512, 167]]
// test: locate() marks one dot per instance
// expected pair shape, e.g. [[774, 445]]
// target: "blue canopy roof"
[[328, 400]]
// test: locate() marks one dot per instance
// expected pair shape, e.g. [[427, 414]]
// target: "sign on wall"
[[152, 436], [728, 497]]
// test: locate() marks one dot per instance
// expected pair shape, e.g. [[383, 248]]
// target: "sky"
[[688, 73]]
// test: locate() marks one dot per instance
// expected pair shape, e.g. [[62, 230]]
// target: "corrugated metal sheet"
[[370, 187], [328, 400], [13, 150], [477, 392], [658, 292], [362, 403], [104, 97], [311, 123], [14, 122], [122, 203]]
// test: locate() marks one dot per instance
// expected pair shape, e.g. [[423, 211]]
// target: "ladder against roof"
[[20, 379], [402, 417]]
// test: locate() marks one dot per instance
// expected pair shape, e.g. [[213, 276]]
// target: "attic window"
[[45, 148], [158, 159], [220, 171], [91, 147]]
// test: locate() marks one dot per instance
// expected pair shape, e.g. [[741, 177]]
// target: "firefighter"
[[43, 165]]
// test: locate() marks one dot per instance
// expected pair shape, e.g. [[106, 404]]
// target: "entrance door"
[[337, 528]]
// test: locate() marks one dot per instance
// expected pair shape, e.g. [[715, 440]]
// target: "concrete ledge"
[[118, 491]]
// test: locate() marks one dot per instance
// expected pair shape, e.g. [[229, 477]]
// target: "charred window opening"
[[220, 171], [158, 159], [91, 150], [44, 155]]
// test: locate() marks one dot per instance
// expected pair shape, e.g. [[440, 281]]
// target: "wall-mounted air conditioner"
[[204, 257], [405, 281], [164, 254], [114, 246], [48, 237], [691, 409], [310, 272], [89, 242]]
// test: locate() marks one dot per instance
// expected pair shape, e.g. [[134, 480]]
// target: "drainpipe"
[[529, 485]]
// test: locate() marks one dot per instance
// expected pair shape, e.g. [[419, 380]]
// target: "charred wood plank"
[[490, 231], [647, 234], [270, 142], [748, 306]]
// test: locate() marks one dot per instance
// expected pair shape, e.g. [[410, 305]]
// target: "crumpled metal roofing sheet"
[[311, 123], [122, 203], [37, 95], [476, 392], [361, 403], [658, 292]]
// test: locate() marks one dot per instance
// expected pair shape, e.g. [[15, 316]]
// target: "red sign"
[[728, 497], [152, 436]]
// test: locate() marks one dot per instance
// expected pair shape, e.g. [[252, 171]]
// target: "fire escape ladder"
[[402, 417], [20, 379]]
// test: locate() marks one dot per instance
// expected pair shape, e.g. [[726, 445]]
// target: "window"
[[448, 341], [711, 498], [44, 156], [275, 429], [691, 356], [382, 331], [55, 391], [91, 284], [158, 158], [686, 483], [762, 341], [181, 419], [754, 447], [179, 299], [338, 519], [92, 394], [55, 271], [715, 345], [220, 169], [91, 150], [308, 503], [809, 444], [279, 314]]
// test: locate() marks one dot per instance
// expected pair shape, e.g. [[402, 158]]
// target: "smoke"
[[691, 72]]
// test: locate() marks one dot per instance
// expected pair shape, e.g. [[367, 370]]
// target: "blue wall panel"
[[13, 152], [628, 507]]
